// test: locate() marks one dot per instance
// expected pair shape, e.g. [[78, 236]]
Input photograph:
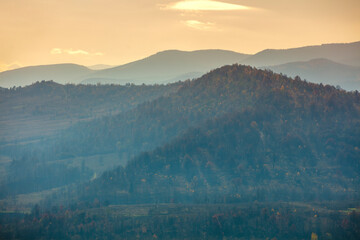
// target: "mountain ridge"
[[322, 70], [169, 64], [344, 53], [173, 65], [61, 73]]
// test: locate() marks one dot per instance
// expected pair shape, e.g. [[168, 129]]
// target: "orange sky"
[[88, 32]]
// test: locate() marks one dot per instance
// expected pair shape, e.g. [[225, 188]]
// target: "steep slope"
[[60, 73], [346, 53], [167, 66], [323, 71]]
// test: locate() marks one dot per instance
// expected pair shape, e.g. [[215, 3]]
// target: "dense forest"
[[282, 221], [36, 114], [58, 106], [237, 135], [288, 107], [285, 144]]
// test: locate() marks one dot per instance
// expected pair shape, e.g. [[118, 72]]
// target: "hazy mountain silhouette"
[[100, 66], [60, 73], [167, 66], [174, 65], [346, 53], [322, 71]]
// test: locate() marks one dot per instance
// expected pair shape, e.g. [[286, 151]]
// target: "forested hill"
[[236, 129], [228, 89], [31, 116], [301, 114], [268, 138], [43, 108]]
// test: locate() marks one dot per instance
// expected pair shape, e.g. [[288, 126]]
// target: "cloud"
[[11, 66], [74, 52], [56, 51], [198, 25], [206, 5]]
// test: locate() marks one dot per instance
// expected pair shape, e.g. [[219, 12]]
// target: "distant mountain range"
[[322, 71], [60, 73], [345, 53], [168, 66], [100, 66], [335, 64]]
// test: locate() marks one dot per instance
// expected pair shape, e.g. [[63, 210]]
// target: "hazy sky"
[[88, 32]]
